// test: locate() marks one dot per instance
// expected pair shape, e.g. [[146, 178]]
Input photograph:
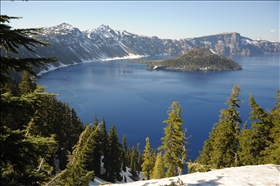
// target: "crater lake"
[[136, 100]]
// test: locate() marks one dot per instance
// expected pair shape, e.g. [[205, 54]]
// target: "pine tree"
[[173, 143], [227, 130], [148, 163], [76, 173], [11, 42], [94, 153], [271, 153], [104, 144], [21, 152], [158, 170], [114, 156], [124, 154], [139, 159], [27, 84], [222, 145], [255, 140], [95, 121], [133, 161], [202, 162], [245, 147]]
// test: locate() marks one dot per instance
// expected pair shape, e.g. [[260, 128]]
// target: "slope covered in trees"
[[228, 146], [196, 59]]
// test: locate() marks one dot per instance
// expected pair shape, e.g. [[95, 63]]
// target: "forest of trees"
[[231, 145], [43, 141]]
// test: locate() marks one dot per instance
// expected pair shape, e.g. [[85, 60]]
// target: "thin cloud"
[[272, 30]]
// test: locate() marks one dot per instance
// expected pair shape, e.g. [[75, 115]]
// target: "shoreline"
[[61, 65]]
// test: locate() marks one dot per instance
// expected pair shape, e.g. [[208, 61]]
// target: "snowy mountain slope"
[[257, 175], [71, 45]]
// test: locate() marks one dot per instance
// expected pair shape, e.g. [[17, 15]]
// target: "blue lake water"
[[136, 100]]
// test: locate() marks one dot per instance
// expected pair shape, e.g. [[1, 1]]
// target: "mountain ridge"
[[72, 45]]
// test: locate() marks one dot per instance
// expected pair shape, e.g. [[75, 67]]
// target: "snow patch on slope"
[[213, 51], [257, 175], [103, 57]]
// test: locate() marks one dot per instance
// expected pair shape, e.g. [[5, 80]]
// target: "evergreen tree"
[[202, 162], [104, 144], [245, 147], [95, 121], [27, 84], [227, 130], [21, 152], [148, 163], [114, 156], [158, 170], [76, 173], [76, 127], [139, 159], [255, 140], [173, 143], [124, 153], [94, 153], [10, 43], [11, 87], [271, 153], [133, 161], [223, 140]]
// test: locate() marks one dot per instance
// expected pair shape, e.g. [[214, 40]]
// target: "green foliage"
[[125, 158], [94, 151], [173, 143], [148, 163], [271, 153], [34, 125], [76, 173], [27, 84], [255, 140], [227, 130], [104, 144], [135, 159], [256, 145], [57, 119], [158, 169], [114, 156], [216, 154], [10, 43], [21, 151]]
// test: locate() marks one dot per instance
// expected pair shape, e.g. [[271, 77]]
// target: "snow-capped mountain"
[[70, 45]]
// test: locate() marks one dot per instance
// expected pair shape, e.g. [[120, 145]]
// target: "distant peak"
[[104, 27], [65, 24]]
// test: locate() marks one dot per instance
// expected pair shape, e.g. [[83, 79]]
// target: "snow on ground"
[[126, 174], [102, 58], [252, 175], [213, 51]]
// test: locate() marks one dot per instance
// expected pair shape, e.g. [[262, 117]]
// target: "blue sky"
[[165, 19]]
